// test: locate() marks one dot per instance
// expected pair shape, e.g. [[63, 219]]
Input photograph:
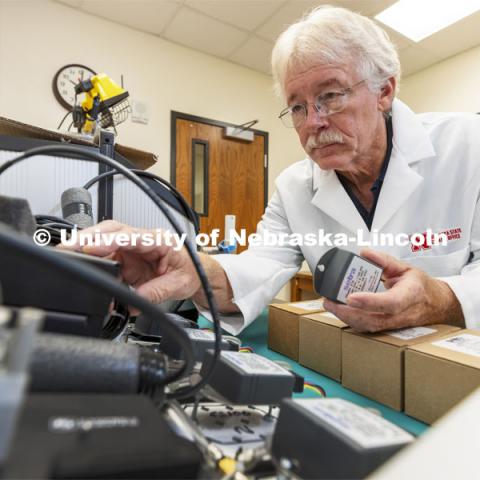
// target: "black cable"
[[177, 307], [142, 173], [95, 278], [41, 219], [98, 157], [54, 225], [63, 119], [58, 226], [117, 321]]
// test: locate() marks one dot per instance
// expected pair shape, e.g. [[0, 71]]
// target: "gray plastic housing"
[[266, 383], [331, 270], [318, 450], [201, 342]]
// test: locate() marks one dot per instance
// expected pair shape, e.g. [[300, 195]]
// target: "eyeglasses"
[[331, 102]]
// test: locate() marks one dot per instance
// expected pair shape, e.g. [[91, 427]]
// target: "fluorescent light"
[[418, 19]]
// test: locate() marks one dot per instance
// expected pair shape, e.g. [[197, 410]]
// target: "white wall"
[[39, 36], [452, 85]]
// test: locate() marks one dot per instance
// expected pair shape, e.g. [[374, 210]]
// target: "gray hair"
[[335, 36]]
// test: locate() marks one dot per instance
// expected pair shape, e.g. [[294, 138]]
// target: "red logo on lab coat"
[[428, 239]]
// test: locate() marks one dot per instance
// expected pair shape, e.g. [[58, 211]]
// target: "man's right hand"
[[158, 272]]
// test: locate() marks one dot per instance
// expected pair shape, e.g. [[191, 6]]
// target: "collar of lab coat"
[[411, 143]]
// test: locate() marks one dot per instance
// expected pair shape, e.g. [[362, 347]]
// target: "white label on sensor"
[[361, 276], [364, 427], [253, 363]]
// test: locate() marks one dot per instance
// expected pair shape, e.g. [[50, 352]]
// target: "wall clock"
[[65, 80]]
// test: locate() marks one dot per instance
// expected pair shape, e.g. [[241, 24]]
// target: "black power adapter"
[[331, 438], [202, 340], [248, 378]]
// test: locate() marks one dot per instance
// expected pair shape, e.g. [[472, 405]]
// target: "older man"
[[373, 166]]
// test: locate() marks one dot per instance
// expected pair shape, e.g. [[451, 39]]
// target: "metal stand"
[[106, 145]]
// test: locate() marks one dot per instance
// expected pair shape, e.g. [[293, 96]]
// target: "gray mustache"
[[325, 137]]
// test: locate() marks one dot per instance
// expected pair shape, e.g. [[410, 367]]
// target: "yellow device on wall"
[[105, 104]]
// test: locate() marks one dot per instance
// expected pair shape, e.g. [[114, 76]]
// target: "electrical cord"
[[178, 306], [315, 388], [98, 157], [53, 225], [63, 119], [117, 321], [95, 278], [44, 219], [142, 173]]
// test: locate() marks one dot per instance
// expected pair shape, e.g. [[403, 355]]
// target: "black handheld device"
[[339, 273]]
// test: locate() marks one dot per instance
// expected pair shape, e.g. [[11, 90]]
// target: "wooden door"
[[231, 178]]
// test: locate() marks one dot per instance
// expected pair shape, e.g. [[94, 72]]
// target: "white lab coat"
[[432, 181]]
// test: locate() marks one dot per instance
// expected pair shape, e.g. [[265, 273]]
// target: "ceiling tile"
[[454, 39], [292, 11], [198, 25], [366, 7], [71, 3], [255, 53], [147, 15], [245, 14], [415, 58], [200, 32]]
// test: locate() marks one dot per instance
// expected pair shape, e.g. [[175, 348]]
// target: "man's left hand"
[[412, 298]]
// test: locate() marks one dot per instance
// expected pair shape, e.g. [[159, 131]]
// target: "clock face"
[[65, 80]]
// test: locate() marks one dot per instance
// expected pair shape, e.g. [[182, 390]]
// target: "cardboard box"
[[320, 344], [13, 128], [440, 374], [373, 364], [283, 325]]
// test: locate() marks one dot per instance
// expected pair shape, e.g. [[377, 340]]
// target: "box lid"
[[461, 347], [301, 308], [408, 336], [326, 318], [139, 158]]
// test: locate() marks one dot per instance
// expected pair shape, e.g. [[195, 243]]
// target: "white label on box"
[[361, 276], [366, 428], [463, 343], [256, 364], [411, 333], [310, 305], [200, 334]]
